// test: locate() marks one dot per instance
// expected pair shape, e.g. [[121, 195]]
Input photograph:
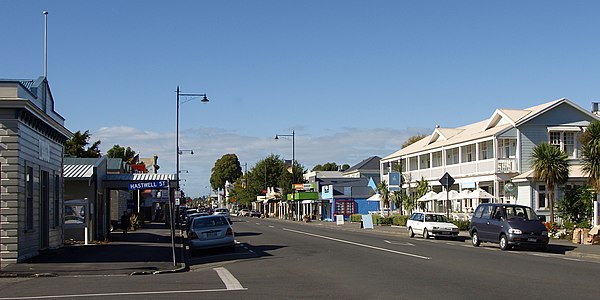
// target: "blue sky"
[[352, 78]]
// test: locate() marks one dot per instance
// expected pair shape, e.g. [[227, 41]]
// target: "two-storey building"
[[495, 154]]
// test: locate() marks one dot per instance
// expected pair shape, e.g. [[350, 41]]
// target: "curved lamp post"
[[178, 153], [293, 135]]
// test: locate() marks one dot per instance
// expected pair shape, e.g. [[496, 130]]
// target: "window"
[[425, 161], [452, 156], [486, 150], [344, 207], [29, 198], [468, 153], [437, 159], [565, 141], [541, 196], [507, 148], [413, 163]]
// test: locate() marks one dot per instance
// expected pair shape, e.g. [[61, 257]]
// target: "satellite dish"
[[510, 188]]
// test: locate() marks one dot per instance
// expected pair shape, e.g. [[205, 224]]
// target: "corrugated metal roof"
[[78, 171], [139, 177]]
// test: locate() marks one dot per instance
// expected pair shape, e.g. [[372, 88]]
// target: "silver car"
[[210, 232]]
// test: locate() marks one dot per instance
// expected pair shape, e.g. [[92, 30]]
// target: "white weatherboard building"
[[493, 152]]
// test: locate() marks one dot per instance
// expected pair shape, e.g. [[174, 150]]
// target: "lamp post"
[[178, 153], [293, 135]]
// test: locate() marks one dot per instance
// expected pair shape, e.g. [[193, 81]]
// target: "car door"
[[419, 223], [483, 223]]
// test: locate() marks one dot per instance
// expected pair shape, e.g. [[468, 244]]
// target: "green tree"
[[384, 193], [412, 140], [76, 146], [551, 166], [576, 206], [330, 166], [226, 168], [590, 150], [398, 198], [126, 154], [344, 167]]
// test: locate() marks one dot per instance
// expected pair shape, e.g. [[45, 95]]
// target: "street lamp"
[[179, 152], [293, 135]]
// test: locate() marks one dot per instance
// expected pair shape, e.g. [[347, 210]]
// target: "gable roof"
[[500, 121], [371, 163]]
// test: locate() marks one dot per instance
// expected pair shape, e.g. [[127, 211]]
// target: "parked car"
[[430, 224], [507, 225], [244, 212], [255, 213], [223, 212], [188, 219], [210, 232]]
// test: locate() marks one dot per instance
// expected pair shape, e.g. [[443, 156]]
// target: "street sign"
[[447, 181], [158, 184]]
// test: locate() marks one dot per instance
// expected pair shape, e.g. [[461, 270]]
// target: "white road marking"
[[357, 244], [399, 243], [271, 226], [257, 223], [231, 283], [118, 294]]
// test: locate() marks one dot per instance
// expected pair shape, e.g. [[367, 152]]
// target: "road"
[[280, 259]]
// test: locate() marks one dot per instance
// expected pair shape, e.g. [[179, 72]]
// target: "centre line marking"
[[357, 244]]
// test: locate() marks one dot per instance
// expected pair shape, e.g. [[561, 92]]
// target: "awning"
[[376, 197]]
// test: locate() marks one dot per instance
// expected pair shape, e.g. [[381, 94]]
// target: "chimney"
[[595, 108]]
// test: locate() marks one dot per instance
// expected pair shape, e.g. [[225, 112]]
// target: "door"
[[44, 209]]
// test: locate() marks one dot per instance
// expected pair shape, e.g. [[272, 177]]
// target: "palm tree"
[[384, 193], [422, 189], [551, 166], [590, 150], [398, 198]]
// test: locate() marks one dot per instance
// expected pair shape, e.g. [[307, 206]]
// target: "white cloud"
[[342, 146]]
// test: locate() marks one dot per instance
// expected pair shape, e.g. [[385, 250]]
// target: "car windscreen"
[[200, 223], [435, 218], [520, 212]]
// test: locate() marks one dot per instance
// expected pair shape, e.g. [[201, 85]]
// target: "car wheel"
[[475, 239], [543, 247], [504, 242], [411, 233], [425, 233]]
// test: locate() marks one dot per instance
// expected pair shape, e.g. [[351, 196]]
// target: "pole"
[[45, 43], [172, 202]]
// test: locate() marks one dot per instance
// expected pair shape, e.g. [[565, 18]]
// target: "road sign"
[[447, 181], [158, 184]]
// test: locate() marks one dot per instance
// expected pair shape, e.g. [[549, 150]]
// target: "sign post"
[[447, 181]]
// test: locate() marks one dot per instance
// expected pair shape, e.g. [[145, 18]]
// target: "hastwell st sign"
[[159, 184]]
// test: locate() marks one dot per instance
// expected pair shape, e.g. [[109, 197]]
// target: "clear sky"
[[353, 79]]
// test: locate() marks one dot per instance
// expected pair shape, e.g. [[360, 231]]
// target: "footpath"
[[147, 250]]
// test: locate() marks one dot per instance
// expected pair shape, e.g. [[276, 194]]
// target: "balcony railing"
[[481, 167]]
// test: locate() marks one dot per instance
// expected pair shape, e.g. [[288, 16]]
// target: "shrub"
[[461, 224], [355, 218], [399, 220]]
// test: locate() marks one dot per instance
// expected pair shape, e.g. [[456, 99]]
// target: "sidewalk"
[[555, 246], [145, 251]]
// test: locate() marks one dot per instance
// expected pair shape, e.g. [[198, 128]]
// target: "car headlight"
[[545, 233], [435, 227], [515, 231]]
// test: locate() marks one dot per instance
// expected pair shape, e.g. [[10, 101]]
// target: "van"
[[508, 225]]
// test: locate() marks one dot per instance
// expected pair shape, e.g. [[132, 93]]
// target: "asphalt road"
[[279, 259]]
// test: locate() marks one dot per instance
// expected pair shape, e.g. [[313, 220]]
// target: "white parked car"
[[430, 224], [222, 212]]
